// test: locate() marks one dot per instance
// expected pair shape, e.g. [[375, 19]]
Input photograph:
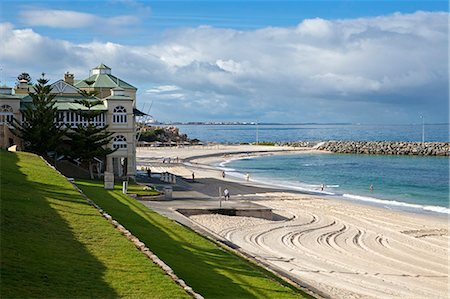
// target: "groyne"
[[386, 147]]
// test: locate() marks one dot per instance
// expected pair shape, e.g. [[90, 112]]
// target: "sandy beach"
[[341, 248]]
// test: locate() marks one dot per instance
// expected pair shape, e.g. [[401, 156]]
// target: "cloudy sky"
[[266, 61]]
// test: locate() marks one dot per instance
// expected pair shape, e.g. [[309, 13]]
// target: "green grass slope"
[[208, 268], [55, 245]]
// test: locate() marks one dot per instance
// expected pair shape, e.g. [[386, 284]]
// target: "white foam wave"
[[436, 209], [222, 166], [278, 184]]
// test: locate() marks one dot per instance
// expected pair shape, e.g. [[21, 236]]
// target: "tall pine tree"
[[89, 141], [41, 129]]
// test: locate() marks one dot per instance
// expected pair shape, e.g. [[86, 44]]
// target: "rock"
[[381, 147]]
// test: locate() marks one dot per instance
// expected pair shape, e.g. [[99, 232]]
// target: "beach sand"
[[341, 248]]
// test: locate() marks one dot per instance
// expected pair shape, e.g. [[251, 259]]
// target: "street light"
[[423, 128], [257, 133]]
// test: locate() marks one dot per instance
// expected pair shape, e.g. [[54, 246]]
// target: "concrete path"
[[200, 194]]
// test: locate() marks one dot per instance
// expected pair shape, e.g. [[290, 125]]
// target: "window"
[[6, 114], [119, 142], [119, 115]]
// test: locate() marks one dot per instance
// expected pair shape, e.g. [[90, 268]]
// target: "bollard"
[[109, 180], [167, 193], [124, 187]]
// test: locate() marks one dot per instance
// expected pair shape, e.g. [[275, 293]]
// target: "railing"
[[68, 119], [71, 119]]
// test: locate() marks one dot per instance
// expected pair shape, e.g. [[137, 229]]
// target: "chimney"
[[23, 84], [68, 78], [22, 87]]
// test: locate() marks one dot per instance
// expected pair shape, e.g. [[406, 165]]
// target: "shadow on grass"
[[40, 255], [209, 269]]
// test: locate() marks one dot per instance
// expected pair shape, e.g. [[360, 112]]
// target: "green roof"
[[12, 96], [102, 66], [75, 106], [73, 98], [65, 103], [103, 81], [119, 98]]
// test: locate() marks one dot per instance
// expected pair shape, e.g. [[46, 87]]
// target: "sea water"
[[275, 133], [408, 182]]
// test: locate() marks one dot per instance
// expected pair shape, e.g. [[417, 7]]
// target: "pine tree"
[[41, 129], [89, 141], [24, 76]]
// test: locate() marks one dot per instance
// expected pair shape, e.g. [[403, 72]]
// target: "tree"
[[41, 129], [24, 76], [89, 141]]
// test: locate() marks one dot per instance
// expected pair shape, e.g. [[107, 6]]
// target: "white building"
[[118, 107]]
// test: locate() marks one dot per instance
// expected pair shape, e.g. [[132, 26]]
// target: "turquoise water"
[[273, 133], [417, 183]]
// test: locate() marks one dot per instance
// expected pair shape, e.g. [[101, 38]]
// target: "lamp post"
[[257, 133], [423, 128]]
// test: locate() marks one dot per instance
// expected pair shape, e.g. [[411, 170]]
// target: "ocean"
[[418, 184], [275, 133]]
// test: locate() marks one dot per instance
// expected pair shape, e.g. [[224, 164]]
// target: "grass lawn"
[[209, 269], [141, 190], [55, 245]]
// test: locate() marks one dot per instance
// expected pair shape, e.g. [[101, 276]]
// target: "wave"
[[222, 166], [315, 190], [310, 189], [437, 209]]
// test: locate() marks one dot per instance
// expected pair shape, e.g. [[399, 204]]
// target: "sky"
[[266, 61]]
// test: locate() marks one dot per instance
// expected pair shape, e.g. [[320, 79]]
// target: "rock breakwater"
[[386, 147]]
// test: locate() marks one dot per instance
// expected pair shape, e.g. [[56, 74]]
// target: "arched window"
[[119, 142], [119, 115], [6, 114]]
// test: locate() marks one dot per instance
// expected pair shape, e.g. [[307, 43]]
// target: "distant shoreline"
[[289, 124]]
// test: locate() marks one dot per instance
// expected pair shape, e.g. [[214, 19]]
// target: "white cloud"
[[162, 89], [398, 63], [71, 19]]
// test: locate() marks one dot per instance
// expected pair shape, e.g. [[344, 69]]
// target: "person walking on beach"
[[226, 194], [321, 187], [193, 177], [223, 174], [149, 172], [247, 177]]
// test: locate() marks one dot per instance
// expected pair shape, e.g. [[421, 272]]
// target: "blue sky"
[[155, 17], [293, 61]]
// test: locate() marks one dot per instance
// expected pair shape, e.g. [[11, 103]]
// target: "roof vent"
[[101, 69]]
